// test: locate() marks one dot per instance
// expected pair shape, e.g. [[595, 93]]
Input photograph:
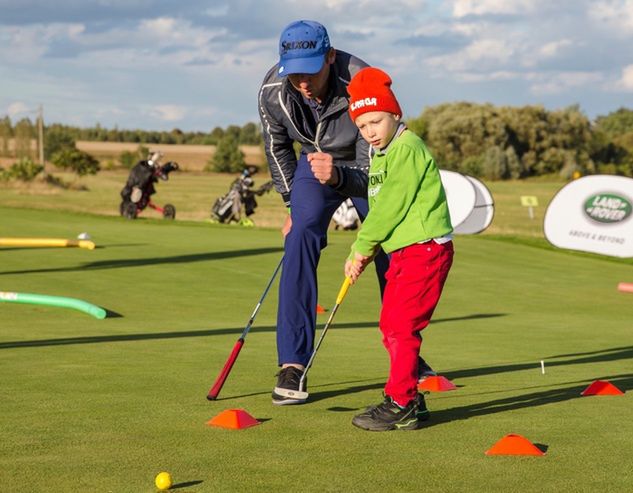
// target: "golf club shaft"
[[339, 299], [219, 382]]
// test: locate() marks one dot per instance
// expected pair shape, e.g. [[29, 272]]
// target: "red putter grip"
[[217, 386]]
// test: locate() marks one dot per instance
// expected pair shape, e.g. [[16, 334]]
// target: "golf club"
[[301, 394], [219, 382]]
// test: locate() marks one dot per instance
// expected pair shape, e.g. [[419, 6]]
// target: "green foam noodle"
[[60, 301]]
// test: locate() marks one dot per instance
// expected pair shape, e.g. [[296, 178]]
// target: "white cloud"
[[626, 81], [217, 11], [462, 8], [479, 55], [553, 48], [162, 26], [467, 28], [500, 75], [18, 108], [537, 54], [371, 6], [491, 49], [613, 14], [212, 58], [167, 112], [27, 44], [559, 82]]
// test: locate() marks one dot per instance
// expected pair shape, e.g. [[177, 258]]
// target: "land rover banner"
[[593, 214]]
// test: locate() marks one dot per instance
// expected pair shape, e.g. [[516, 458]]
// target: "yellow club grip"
[[343, 291]]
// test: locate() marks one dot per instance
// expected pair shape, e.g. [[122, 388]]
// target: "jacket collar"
[[401, 128]]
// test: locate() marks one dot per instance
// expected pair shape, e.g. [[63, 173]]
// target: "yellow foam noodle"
[[46, 242], [82, 244]]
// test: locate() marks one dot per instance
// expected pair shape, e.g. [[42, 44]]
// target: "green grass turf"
[[91, 405]]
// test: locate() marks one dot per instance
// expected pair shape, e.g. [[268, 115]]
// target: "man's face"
[[314, 86]]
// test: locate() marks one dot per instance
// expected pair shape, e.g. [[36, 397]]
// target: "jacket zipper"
[[285, 110], [316, 137]]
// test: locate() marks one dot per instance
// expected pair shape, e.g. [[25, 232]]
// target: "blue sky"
[[195, 65]]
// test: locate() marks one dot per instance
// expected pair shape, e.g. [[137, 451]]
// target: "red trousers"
[[415, 280]]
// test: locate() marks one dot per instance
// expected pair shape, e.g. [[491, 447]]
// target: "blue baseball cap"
[[302, 48]]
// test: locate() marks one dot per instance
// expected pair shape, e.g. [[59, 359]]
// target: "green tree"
[[419, 126], [56, 138], [612, 155], [507, 142], [6, 134], [233, 131], [251, 134], [24, 170], [216, 135], [130, 158], [228, 158], [616, 123], [77, 161], [499, 164], [24, 133], [178, 136]]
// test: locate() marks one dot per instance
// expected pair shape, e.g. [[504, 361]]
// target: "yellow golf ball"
[[163, 481]]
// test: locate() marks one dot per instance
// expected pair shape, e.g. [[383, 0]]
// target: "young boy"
[[408, 217]]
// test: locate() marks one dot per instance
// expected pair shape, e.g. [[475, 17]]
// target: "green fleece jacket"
[[407, 203]]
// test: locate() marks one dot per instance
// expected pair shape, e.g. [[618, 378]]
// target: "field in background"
[[189, 157], [193, 194], [193, 191]]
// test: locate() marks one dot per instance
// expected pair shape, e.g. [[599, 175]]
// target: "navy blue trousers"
[[312, 206]]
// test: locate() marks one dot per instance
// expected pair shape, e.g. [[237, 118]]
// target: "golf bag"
[[239, 202], [346, 217], [137, 192]]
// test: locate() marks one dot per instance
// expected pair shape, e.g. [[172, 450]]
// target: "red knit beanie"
[[370, 90]]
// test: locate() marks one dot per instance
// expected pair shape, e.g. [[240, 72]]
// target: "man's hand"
[[354, 268], [285, 229], [322, 166]]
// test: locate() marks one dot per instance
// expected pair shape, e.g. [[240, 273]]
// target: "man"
[[304, 99]]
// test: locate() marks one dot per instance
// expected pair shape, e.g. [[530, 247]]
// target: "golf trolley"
[[240, 198], [137, 192]]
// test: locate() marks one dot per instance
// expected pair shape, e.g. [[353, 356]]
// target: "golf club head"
[[292, 394]]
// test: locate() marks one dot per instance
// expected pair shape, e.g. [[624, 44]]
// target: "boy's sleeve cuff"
[[286, 199], [342, 178]]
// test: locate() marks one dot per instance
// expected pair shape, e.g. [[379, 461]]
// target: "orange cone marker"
[[602, 387], [234, 419], [626, 287], [320, 309], [514, 445], [436, 384]]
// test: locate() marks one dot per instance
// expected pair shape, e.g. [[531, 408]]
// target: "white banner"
[[470, 203], [593, 214], [460, 195], [483, 212]]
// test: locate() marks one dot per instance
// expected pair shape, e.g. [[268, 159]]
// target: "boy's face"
[[377, 127]]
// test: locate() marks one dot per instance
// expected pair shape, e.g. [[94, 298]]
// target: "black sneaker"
[[424, 370], [390, 416], [287, 389]]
